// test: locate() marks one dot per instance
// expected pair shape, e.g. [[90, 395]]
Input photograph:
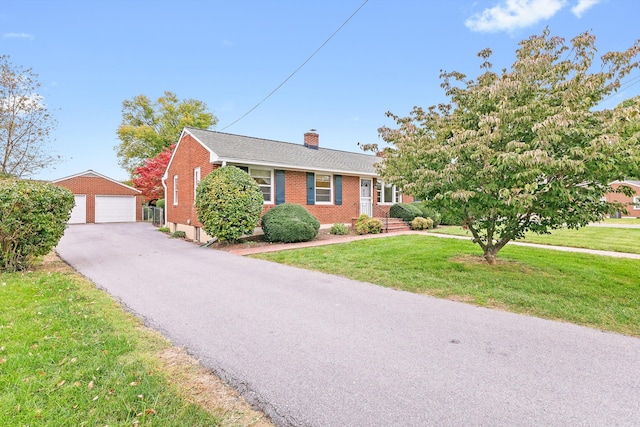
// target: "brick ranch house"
[[632, 203], [335, 186], [100, 199]]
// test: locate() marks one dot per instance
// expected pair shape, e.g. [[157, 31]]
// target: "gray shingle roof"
[[257, 151]]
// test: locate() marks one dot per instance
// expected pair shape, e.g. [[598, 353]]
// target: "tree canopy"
[[523, 150], [148, 127], [25, 123], [148, 177]]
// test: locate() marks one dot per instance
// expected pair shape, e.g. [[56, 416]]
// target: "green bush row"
[[33, 217], [405, 211]]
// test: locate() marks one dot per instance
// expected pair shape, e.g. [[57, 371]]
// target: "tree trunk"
[[490, 254]]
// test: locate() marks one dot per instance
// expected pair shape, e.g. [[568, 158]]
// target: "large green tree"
[[25, 123], [148, 127], [526, 149]]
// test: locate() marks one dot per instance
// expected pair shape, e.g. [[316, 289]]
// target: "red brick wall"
[[188, 155], [92, 186], [628, 201]]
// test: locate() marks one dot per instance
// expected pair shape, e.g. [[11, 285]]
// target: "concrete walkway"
[[344, 239], [312, 349]]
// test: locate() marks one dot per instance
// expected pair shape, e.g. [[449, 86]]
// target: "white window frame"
[[381, 189], [636, 203], [175, 190], [315, 184], [196, 181], [270, 185]]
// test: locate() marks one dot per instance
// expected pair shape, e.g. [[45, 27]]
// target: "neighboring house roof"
[[92, 174], [225, 147]]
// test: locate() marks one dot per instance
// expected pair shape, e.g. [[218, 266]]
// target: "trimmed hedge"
[[405, 211], [33, 217], [289, 223], [229, 203]]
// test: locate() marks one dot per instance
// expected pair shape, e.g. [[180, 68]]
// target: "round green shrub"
[[339, 229], [404, 211], [367, 225], [420, 223], [34, 217], [160, 203], [229, 203], [289, 223]]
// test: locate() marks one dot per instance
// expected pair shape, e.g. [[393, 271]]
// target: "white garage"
[[115, 208], [79, 211], [101, 199]]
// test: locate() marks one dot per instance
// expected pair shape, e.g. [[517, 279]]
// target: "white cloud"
[[18, 36], [582, 6], [511, 15]]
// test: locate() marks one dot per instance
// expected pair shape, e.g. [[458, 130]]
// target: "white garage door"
[[79, 211], [115, 208]]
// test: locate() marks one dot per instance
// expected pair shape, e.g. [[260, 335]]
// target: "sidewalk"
[[344, 239]]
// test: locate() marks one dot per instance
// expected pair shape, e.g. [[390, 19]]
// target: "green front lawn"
[[590, 290], [602, 238], [70, 356]]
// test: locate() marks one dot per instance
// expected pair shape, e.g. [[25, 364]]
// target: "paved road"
[[312, 349]]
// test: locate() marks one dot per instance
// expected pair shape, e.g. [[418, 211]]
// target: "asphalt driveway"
[[311, 349]]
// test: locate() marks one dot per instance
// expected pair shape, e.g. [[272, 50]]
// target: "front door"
[[366, 198]]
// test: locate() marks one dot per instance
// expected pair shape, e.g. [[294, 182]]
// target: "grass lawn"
[[590, 290], [70, 356], [602, 238]]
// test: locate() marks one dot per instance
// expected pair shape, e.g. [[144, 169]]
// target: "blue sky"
[[91, 55]]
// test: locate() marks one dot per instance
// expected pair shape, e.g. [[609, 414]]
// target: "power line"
[[297, 69]]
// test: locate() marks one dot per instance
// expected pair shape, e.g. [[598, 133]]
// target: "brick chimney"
[[311, 139]]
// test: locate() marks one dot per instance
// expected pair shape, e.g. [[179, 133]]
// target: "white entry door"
[[366, 197]]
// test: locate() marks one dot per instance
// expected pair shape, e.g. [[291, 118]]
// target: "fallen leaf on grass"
[[77, 384], [90, 385], [95, 398], [61, 383], [3, 360], [134, 383]]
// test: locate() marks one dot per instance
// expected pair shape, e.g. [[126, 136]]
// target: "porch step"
[[391, 225]]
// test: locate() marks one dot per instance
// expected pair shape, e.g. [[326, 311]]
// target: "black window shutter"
[[311, 188], [279, 187], [338, 188]]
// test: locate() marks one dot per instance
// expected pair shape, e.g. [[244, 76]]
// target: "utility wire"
[[297, 69]]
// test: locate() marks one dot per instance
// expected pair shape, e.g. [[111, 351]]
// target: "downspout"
[[164, 185]]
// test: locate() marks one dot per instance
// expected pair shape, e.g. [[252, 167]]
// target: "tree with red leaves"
[[148, 177]]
